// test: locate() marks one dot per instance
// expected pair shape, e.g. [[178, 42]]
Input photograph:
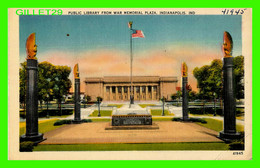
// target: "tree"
[[45, 81], [239, 76], [22, 84], [62, 83], [209, 79], [53, 82]]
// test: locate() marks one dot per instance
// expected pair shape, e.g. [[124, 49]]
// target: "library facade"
[[118, 88]]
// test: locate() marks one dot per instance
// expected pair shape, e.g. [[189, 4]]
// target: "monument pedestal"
[[131, 117]]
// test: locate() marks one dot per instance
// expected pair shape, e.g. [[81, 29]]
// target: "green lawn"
[[135, 147], [43, 127], [217, 125], [101, 120], [117, 105], [159, 112], [102, 112], [145, 105], [162, 118]]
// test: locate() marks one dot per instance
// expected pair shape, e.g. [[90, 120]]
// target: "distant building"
[[116, 88]]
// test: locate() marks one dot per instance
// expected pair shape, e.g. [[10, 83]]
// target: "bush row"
[[210, 110], [201, 120], [61, 122]]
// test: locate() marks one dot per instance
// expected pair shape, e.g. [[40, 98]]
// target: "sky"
[[100, 44]]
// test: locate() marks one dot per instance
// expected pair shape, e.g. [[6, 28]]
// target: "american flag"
[[137, 34]]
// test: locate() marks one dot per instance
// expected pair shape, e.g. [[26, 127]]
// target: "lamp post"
[[98, 100], [163, 101], [214, 94], [47, 115]]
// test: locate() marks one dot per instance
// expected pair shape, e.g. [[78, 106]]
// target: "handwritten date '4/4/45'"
[[233, 11]]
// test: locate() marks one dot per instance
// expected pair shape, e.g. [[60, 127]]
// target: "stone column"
[[110, 93], [229, 131], [146, 92], [32, 133], [135, 95], [128, 93], [184, 99], [116, 92], [152, 92], [77, 117], [141, 93], [105, 92]]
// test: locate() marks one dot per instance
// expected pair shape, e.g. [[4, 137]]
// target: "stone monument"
[[184, 70], [77, 118], [229, 131], [129, 117], [32, 133]]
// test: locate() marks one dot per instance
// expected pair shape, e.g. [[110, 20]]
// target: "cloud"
[[99, 63]]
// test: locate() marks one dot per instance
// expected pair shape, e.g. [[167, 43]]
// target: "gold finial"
[[227, 44], [31, 47], [76, 71], [184, 69]]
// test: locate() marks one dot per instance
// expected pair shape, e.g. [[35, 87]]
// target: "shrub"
[[201, 120], [52, 112], [61, 122], [238, 144], [26, 146], [86, 120], [206, 110]]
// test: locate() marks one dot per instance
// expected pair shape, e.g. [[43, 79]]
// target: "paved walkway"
[[177, 111], [88, 133]]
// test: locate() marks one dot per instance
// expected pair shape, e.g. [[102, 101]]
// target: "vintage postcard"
[[130, 84]]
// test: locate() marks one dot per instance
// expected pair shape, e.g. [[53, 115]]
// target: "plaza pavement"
[[95, 133]]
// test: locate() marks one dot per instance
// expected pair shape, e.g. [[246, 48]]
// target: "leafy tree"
[[62, 83], [239, 76], [88, 98], [22, 84], [45, 81], [53, 82], [209, 79]]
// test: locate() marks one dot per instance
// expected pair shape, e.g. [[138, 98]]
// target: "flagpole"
[[131, 67]]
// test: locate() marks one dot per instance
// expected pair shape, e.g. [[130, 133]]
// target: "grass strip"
[[136, 147], [102, 112]]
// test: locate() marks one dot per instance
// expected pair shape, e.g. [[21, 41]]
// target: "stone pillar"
[[141, 93], [116, 92], [152, 92], [110, 93], [32, 133], [146, 93], [77, 117], [184, 99], [105, 92], [128, 93], [135, 95], [229, 131]]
